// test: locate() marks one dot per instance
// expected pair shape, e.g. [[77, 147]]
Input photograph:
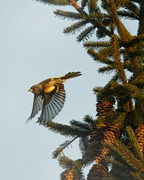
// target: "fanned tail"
[[72, 75]]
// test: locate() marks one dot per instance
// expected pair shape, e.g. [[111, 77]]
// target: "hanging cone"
[[97, 172], [104, 108], [95, 146], [67, 175], [139, 133], [109, 133]]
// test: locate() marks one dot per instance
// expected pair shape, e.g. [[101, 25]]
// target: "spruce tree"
[[115, 137]]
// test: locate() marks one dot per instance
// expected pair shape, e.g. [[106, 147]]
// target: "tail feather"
[[72, 75]]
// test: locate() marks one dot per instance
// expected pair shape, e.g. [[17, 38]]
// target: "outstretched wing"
[[37, 106], [53, 104]]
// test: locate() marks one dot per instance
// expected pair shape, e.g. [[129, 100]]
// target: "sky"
[[33, 48]]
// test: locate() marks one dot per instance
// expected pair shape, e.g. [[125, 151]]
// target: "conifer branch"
[[134, 142], [75, 27], [77, 7], [74, 167], [66, 130], [97, 44], [118, 168], [130, 159], [62, 147], [118, 3], [88, 119], [83, 144], [137, 76], [83, 3], [134, 59], [127, 14], [106, 69], [92, 6], [133, 91], [128, 65], [131, 6], [68, 15], [80, 125], [65, 162], [121, 72], [133, 41], [87, 33], [120, 118], [102, 56], [55, 2], [96, 23], [125, 35]]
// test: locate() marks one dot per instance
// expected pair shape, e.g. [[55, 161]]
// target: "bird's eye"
[[33, 88]]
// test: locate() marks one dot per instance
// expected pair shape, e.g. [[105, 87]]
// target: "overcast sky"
[[33, 48]]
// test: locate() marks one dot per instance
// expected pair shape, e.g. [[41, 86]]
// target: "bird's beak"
[[30, 90]]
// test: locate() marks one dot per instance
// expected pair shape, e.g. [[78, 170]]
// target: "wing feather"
[[54, 109], [52, 105], [37, 106]]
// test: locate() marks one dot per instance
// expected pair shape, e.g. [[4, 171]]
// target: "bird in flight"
[[49, 96]]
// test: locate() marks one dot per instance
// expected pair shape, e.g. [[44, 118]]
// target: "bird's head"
[[36, 89]]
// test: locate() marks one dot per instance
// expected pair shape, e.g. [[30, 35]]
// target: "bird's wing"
[[37, 106], [53, 104]]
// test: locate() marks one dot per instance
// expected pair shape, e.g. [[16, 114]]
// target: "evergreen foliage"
[[115, 136]]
